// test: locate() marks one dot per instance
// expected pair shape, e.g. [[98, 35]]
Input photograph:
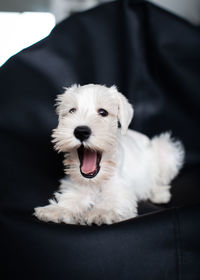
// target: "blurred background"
[[24, 22]]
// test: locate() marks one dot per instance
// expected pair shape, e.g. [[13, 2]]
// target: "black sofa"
[[153, 57]]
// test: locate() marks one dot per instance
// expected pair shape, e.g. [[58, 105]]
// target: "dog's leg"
[[66, 210], [160, 194], [115, 204], [99, 215], [69, 206], [54, 213]]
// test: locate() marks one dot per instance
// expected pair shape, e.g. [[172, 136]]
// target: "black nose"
[[82, 132]]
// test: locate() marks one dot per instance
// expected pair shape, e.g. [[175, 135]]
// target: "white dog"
[[110, 168]]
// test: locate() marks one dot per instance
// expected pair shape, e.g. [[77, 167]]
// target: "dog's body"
[[110, 169]]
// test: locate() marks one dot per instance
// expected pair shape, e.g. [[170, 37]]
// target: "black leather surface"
[[153, 57]]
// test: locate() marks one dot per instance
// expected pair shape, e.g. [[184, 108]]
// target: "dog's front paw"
[[48, 213], [101, 216], [56, 214]]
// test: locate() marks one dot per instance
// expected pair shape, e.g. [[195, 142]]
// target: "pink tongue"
[[89, 161]]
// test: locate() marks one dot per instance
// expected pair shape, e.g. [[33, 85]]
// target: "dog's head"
[[88, 128]]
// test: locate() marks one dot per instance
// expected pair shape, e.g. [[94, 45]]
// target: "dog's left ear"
[[125, 110]]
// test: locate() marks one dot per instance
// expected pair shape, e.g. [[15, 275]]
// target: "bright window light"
[[20, 30]]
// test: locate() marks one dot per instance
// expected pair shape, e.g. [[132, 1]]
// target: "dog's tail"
[[169, 155]]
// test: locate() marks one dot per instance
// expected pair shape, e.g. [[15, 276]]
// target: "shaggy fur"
[[132, 166]]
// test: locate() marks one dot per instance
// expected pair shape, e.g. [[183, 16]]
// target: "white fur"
[[133, 167]]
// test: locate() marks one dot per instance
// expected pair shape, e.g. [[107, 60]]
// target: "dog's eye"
[[103, 112], [72, 110]]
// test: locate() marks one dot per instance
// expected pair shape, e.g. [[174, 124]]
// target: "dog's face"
[[88, 128]]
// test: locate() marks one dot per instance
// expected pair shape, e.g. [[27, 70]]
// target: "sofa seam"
[[178, 251]]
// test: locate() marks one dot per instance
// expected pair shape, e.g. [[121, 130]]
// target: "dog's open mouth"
[[89, 162]]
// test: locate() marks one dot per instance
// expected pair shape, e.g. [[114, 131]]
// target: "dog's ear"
[[60, 99], [125, 110]]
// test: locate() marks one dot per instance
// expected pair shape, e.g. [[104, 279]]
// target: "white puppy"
[[110, 168]]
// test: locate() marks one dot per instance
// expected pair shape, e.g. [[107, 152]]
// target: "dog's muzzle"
[[89, 162]]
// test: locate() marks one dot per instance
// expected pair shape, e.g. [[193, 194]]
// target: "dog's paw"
[[56, 214], [49, 213], [101, 216], [162, 195]]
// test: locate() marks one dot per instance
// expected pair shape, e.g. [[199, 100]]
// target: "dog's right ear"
[[60, 106], [125, 110]]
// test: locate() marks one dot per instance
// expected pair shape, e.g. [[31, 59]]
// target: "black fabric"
[[153, 57]]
